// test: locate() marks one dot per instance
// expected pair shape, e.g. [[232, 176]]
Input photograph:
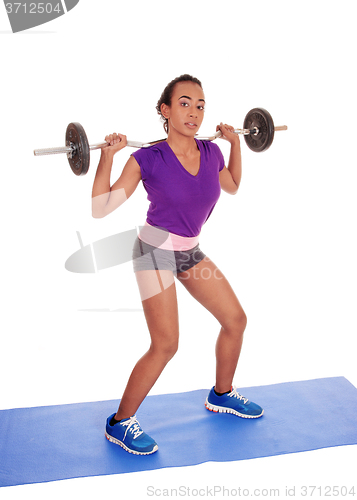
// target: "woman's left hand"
[[228, 133]]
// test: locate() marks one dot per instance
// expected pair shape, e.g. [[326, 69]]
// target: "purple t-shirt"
[[179, 201]]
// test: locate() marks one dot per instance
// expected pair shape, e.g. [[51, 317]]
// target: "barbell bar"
[[258, 131]]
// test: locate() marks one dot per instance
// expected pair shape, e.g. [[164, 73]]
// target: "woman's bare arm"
[[106, 198], [230, 176]]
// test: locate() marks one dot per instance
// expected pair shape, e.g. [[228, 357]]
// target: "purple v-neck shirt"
[[179, 201]]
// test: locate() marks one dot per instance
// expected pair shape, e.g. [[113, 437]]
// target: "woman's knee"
[[165, 348], [236, 321]]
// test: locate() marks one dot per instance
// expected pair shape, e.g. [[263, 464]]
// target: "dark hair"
[[167, 95]]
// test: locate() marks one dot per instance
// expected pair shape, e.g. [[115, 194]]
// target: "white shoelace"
[[235, 394], [132, 425]]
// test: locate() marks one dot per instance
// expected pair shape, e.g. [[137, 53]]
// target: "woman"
[[183, 177]]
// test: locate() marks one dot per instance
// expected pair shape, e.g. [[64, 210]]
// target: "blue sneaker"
[[129, 435], [234, 403]]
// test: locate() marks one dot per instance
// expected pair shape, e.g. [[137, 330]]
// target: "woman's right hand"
[[116, 142]]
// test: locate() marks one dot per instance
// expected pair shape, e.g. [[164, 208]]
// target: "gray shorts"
[[147, 257]]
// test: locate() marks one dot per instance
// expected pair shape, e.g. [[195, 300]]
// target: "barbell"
[[258, 131]]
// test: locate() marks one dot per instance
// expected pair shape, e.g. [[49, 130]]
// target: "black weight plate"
[[260, 118], [76, 136]]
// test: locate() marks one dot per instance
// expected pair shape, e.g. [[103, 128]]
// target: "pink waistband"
[[165, 240]]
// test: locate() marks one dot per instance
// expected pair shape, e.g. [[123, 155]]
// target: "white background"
[[286, 241]]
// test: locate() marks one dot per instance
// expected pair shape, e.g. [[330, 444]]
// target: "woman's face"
[[185, 115]]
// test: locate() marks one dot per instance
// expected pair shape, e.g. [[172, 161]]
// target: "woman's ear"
[[165, 110]]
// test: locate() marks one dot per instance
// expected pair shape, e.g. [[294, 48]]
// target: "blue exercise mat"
[[52, 443]]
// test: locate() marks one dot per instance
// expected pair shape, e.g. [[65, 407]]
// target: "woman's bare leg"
[[208, 285], [159, 301]]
